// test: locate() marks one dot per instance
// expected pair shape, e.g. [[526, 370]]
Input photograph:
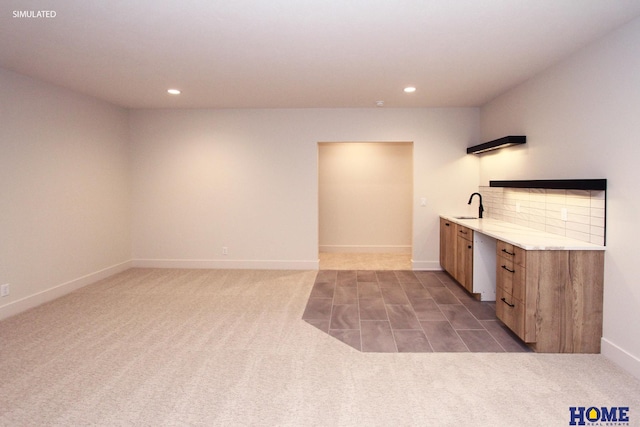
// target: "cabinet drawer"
[[510, 252], [464, 232], [510, 311], [511, 278]]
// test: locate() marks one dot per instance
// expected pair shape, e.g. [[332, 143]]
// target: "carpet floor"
[[152, 347]]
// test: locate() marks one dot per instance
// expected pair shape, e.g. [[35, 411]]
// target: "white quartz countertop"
[[523, 237]]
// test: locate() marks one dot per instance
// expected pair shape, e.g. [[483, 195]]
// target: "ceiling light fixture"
[[174, 91], [409, 89]]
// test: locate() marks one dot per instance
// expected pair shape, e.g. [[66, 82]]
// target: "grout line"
[[499, 343], [359, 317], [387, 311], [333, 296]]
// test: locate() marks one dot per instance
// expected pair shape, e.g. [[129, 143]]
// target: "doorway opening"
[[365, 193]]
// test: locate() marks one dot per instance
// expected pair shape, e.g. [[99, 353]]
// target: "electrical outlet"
[[4, 290], [423, 201], [563, 214], [225, 250], [517, 207]]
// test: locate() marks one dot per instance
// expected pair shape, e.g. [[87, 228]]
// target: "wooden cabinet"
[[464, 258], [551, 299], [456, 252], [448, 243]]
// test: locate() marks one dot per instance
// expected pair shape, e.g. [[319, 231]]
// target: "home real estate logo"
[[599, 416]]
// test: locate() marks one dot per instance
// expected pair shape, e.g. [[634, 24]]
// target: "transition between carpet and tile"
[[405, 311]]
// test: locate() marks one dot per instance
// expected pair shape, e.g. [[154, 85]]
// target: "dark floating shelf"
[[555, 184], [496, 144]]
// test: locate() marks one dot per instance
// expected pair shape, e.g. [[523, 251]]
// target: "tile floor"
[[405, 311]]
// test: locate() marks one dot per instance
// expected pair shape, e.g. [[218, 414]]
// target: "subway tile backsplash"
[[579, 214]]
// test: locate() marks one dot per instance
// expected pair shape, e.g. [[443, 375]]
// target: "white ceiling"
[[299, 53]]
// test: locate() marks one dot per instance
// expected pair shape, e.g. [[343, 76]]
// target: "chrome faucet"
[[480, 208]]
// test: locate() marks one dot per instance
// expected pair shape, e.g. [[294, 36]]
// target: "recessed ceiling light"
[[409, 89], [174, 91]]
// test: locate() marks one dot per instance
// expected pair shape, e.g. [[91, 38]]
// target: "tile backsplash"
[[579, 214]]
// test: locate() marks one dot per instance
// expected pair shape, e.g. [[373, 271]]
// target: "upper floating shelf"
[[554, 184], [496, 144]]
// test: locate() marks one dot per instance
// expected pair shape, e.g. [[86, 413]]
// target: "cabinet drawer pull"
[[469, 246], [510, 271], [447, 224], [505, 301], [508, 253], [463, 232]]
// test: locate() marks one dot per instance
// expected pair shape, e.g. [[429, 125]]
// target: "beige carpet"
[[364, 261], [229, 348]]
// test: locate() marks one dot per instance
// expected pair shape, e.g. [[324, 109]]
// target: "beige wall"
[[365, 196], [64, 185], [581, 121], [91, 189], [248, 180]]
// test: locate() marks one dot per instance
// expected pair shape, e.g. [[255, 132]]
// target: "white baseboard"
[[620, 357], [425, 265], [227, 264], [365, 249], [57, 291]]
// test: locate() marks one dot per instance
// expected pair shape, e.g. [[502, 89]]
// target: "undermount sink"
[[465, 217]]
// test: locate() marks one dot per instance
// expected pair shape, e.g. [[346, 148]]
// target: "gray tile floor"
[[405, 311]]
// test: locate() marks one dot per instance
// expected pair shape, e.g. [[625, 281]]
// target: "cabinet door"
[[448, 246], [464, 263]]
